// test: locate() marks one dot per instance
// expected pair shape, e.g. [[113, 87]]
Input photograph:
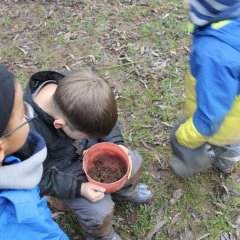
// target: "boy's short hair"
[[87, 103]]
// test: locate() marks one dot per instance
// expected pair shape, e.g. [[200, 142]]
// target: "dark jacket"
[[62, 150]]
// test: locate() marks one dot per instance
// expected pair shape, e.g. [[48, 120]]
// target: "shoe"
[[225, 166], [180, 168], [142, 195], [219, 155], [116, 237], [188, 162]]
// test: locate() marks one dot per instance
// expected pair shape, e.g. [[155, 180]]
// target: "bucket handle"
[[130, 165]]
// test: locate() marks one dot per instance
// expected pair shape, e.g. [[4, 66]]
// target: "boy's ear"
[[2, 153], [59, 123]]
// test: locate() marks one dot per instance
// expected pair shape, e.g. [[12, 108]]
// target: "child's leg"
[[226, 156], [133, 190], [187, 162], [95, 219]]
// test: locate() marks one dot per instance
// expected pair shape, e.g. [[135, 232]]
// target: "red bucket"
[[103, 160]]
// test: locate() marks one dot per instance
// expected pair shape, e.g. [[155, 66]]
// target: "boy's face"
[[16, 140]]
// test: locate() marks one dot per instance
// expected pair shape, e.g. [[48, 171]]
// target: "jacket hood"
[[34, 82], [40, 77], [205, 12], [26, 174]]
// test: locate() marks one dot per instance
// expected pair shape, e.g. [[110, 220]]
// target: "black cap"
[[7, 93]]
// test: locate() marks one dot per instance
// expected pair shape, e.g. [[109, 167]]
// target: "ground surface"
[[141, 49]]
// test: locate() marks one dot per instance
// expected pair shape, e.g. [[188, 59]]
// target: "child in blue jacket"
[[24, 215], [210, 133]]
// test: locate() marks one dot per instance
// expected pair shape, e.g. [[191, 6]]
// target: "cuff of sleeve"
[[188, 136], [78, 190]]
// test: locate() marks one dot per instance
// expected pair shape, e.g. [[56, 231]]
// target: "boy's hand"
[[92, 192]]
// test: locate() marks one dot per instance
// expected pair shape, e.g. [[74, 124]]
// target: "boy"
[[211, 131], [75, 112], [23, 214]]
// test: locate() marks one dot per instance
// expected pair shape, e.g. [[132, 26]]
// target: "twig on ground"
[[203, 236]]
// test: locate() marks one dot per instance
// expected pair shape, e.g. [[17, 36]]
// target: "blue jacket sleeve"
[[26, 216], [216, 85]]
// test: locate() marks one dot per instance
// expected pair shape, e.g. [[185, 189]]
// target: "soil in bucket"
[[107, 170]]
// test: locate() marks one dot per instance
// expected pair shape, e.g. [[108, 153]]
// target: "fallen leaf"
[[238, 220], [142, 50], [14, 14], [175, 218], [176, 196], [146, 145], [67, 67], [203, 236], [156, 229], [70, 36], [223, 206], [154, 53], [22, 50], [57, 214]]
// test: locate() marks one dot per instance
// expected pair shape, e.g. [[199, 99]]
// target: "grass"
[[143, 47]]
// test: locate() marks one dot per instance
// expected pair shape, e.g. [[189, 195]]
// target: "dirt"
[[107, 170]]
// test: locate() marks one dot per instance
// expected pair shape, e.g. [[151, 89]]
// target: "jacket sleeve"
[[59, 183], [52, 184], [216, 89]]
